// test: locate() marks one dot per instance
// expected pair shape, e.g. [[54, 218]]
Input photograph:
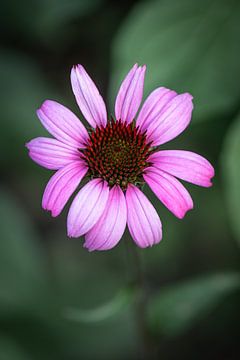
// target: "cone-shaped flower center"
[[117, 153]]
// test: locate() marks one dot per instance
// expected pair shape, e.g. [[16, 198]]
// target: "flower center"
[[117, 153]]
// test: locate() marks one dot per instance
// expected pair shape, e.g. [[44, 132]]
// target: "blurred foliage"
[[231, 174], [9, 350], [188, 46], [57, 301], [44, 20], [175, 308], [23, 88], [21, 269], [101, 313]]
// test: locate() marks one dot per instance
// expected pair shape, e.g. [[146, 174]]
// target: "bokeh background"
[[57, 301]]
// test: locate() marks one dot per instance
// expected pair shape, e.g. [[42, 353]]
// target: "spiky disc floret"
[[117, 153]]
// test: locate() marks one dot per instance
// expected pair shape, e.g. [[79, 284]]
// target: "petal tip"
[[209, 184], [75, 66], [183, 214], [80, 69], [28, 145], [73, 69], [89, 249], [46, 103], [44, 106], [70, 234], [188, 96], [53, 212], [39, 111]]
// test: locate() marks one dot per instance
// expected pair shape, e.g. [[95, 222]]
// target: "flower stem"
[[139, 280]]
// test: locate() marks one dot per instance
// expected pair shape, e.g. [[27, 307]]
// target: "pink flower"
[[117, 157]]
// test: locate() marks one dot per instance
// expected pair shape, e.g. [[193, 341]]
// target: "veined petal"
[[142, 219], [62, 124], [87, 207], [107, 232], [62, 185], [172, 120], [130, 94], [88, 98], [185, 165], [169, 191], [152, 107], [51, 153]]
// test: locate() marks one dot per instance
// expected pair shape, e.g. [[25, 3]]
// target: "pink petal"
[[130, 94], [62, 185], [51, 153], [62, 124], [169, 191], [173, 119], [185, 165], [88, 98], [143, 221], [153, 106], [107, 232], [87, 207]]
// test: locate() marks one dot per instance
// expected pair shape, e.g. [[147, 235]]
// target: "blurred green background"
[[57, 301]]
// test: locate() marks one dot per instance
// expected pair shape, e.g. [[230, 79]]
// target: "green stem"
[[139, 281]]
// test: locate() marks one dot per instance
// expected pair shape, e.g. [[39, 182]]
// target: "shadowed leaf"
[[231, 175], [21, 268], [177, 308], [103, 312], [188, 46]]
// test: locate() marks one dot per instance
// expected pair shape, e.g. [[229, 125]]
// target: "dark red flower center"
[[117, 153]]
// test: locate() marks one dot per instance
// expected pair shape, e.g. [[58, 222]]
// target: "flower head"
[[117, 156]]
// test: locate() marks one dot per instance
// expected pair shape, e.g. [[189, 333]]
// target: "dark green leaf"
[[21, 269], [23, 89], [46, 20], [103, 312], [55, 15], [177, 308], [231, 175], [188, 46], [9, 350]]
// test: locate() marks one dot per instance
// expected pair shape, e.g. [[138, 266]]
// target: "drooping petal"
[[51, 153], [62, 185], [87, 207], [62, 124], [185, 165], [107, 232], [152, 107], [173, 119], [130, 94], [142, 219], [169, 191], [88, 98]]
